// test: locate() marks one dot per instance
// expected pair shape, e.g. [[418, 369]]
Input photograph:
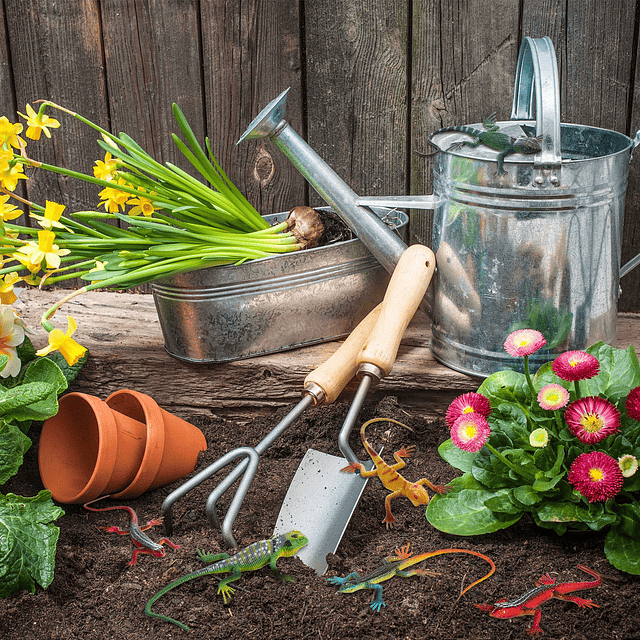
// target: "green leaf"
[[526, 495], [594, 516], [456, 457], [14, 402], [27, 542], [622, 551], [13, 445], [70, 373], [629, 519], [463, 512]]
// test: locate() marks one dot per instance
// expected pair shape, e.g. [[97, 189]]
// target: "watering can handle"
[[537, 74], [406, 289], [333, 375]]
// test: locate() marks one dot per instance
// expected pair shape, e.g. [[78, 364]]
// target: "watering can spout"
[[381, 241]]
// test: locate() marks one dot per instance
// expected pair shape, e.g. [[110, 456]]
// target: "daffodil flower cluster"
[[562, 445], [158, 219]]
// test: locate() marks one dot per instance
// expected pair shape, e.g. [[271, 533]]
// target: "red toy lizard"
[[142, 542], [545, 589], [390, 477]]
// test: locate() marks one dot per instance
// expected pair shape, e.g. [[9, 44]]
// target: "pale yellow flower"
[[11, 336], [113, 199], [64, 343], [52, 213], [7, 295], [8, 211], [9, 133], [37, 123], [45, 251], [106, 170], [9, 175], [142, 206]]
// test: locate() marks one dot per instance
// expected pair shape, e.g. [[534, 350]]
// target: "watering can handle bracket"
[[537, 75]]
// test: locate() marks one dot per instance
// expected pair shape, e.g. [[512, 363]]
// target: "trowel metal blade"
[[320, 502]]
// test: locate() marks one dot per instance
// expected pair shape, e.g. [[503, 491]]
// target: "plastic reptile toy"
[[396, 566], [390, 477], [255, 556], [546, 589], [143, 543]]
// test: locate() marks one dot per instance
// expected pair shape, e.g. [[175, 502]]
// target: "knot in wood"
[[264, 168]]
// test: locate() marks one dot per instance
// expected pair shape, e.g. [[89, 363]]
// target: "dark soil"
[[96, 595]]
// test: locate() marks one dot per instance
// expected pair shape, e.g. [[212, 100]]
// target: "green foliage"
[[491, 495], [27, 536]]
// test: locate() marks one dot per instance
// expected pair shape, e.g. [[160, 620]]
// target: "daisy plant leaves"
[[582, 475]]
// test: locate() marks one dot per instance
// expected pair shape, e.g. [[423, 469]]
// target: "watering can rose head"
[[562, 445]]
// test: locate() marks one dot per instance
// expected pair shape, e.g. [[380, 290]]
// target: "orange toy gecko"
[[390, 477]]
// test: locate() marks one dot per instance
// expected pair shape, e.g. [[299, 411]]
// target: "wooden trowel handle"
[[333, 375], [406, 289]]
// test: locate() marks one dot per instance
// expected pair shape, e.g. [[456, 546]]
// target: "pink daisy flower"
[[524, 342], [468, 403], [576, 365], [596, 476], [470, 432], [633, 404], [592, 419], [553, 397]]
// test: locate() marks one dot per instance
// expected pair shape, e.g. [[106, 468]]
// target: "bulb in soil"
[[306, 226]]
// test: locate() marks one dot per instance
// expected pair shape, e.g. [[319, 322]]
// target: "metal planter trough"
[[272, 304]]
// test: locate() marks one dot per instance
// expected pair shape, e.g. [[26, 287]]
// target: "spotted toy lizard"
[[395, 566], [390, 477], [255, 556], [143, 543], [493, 138], [546, 588]]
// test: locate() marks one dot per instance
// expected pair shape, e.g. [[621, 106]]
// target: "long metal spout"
[[383, 243]]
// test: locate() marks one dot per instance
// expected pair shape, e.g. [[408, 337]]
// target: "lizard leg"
[[151, 523], [389, 519], [167, 541], [534, 629], [118, 530], [141, 550], [500, 171], [377, 603], [581, 602], [272, 565], [224, 587], [211, 557], [438, 488], [464, 143], [339, 581], [356, 466]]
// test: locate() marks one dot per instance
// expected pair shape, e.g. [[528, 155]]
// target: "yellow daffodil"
[[8, 211], [99, 267], [44, 250], [106, 170], [52, 213], [11, 336], [64, 343], [38, 123], [113, 199], [9, 175], [142, 206], [9, 133], [7, 295]]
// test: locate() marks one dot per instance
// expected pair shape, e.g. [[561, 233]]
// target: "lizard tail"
[[431, 554], [370, 450]]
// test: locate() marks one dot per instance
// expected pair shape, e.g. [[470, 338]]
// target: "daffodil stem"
[[527, 375], [51, 312], [509, 464]]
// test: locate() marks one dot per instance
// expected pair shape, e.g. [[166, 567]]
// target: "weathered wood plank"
[[251, 53], [56, 54], [357, 75], [124, 338]]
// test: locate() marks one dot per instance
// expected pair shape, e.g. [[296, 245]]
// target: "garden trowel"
[[322, 498]]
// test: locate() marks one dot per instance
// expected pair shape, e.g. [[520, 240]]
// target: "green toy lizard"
[[495, 140], [255, 556], [395, 566]]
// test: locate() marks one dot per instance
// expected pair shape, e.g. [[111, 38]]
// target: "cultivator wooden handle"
[[406, 289], [333, 375]]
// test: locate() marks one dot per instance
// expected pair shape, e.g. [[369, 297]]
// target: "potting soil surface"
[[95, 594]]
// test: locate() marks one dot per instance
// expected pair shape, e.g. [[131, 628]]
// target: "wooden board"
[[125, 340]]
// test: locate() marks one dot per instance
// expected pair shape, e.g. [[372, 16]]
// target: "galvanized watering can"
[[537, 247]]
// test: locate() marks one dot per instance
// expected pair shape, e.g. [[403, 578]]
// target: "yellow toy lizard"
[[390, 477]]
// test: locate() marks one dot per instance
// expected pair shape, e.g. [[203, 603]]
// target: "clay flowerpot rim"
[[154, 447]]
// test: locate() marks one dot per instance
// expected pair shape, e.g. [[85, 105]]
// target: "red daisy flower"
[[596, 476], [470, 432], [633, 404], [576, 365], [524, 342], [592, 419], [468, 403]]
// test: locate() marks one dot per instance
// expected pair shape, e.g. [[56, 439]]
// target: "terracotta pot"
[[123, 447]]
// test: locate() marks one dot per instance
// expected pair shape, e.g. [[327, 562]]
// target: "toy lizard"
[[494, 139], [390, 477], [255, 556], [143, 543], [395, 566], [546, 588]]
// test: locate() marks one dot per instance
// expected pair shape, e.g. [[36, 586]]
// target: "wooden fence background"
[[369, 82]]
